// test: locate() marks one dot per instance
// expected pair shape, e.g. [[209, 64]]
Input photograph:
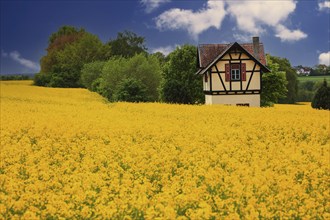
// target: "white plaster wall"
[[253, 100], [255, 80]]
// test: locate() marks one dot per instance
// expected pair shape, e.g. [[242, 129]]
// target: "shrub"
[[321, 99], [41, 79], [101, 87], [174, 92], [90, 72], [180, 84], [57, 81], [141, 68], [131, 90]]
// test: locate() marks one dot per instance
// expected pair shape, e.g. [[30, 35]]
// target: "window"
[[205, 78], [235, 72]]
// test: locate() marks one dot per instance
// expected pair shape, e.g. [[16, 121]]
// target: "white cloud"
[[324, 58], [194, 22], [324, 5], [164, 50], [151, 5], [252, 18], [16, 56], [252, 15], [287, 35]]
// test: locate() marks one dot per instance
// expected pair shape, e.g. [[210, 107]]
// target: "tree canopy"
[[321, 99], [69, 49], [119, 77], [91, 72], [273, 84], [320, 70], [291, 77], [64, 33], [127, 44], [179, 83]]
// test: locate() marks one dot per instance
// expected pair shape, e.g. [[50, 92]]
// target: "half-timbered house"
[[232, 72]]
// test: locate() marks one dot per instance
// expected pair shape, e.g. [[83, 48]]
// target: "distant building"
[[303, 71], [232, 72]]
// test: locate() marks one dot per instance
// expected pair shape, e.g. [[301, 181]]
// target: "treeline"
[[317, 70], [16, 77], [320, 70], [297, 91], [123, 70], [307, 90]]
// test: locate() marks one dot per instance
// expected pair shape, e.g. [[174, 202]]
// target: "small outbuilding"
[[232, 72]]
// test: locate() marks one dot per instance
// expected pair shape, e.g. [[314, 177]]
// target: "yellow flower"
[[29, 215], [68, 153]]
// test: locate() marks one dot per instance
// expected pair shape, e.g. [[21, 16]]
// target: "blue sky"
[[297, 30]]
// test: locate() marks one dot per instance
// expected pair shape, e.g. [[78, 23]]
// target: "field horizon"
[[314, 78], [68, 153]]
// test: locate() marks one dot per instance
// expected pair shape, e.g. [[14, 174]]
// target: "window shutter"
[[227, 69], [243, 71]]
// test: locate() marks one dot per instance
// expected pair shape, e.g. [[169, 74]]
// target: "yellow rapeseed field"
[[67, 153]]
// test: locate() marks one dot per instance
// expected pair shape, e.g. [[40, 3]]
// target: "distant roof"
[[208, 52]]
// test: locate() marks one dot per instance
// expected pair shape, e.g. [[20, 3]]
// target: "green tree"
[[180, 84], [65, 34], [90, 72], [127, 44], [15, 77], [321, 99], [161, 57], [273, 84], [291, 77], [307, 90], [100, 86], [131, 90], [142, 68], [320, 70], [57, 41], [69, 49]]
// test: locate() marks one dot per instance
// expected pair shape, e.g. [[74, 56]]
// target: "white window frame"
[[235, 74]]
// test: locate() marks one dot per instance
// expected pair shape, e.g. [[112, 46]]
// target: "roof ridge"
[[228, 44], [212, 44]]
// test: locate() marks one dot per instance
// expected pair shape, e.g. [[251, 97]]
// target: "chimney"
[[255, 41]]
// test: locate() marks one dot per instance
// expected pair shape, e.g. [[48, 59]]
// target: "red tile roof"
[[208, 52]]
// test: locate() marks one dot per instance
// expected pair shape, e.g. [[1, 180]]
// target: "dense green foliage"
[[69, 49], [291, 77], [132, 90], [112, 77], [15, 77], [65, 34], [127, 44], [273, 84], [321, 99], [90, 72], [320, 70], [179, 83], [308, 85], [307, 90]]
